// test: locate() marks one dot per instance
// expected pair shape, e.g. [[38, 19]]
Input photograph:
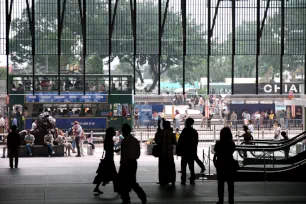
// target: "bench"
[[41, 151]]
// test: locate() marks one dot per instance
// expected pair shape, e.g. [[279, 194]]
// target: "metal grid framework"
[[154, 30]]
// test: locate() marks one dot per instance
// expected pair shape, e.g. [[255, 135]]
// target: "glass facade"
[[168, 46]]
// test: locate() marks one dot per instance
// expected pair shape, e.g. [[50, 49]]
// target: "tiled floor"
[[69, 180]]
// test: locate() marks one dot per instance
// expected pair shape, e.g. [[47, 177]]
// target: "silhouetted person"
[[166, 166], [224, 163], [247, 138], [286, 149], [130, 152], [187, 148], [13, 145], [107, 170]]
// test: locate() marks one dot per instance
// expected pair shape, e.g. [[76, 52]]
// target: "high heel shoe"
[[97, 191]]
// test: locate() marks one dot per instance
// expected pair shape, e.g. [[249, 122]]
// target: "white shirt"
[[257, 116], [2, 122], [78, 130], [34, 126], [177, 116], [251, 128]]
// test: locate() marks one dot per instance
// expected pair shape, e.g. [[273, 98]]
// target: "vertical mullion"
[[233, 43], [282, 44], [84, 44], [59, 46], [257, 44], [33, 43], [208, 46], [135, 46], [159, 40], [7, 46], [109, 43]]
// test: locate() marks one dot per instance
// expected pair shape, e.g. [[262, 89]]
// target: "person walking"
[[107, 170], [247, 138], [2, 124], [187, 149], [225, 164], [201, 104], [130, 152], [78, 133], [177, 119], [13, 145], [166, 166], [234, 119]]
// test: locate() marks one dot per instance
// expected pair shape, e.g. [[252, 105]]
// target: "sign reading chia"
[[267, 88]]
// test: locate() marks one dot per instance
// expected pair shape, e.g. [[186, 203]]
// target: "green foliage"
[[3, 72]]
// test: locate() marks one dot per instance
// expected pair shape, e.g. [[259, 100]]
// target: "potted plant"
[[149, 146]]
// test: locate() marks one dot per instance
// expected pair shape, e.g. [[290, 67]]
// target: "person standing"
[[201, 104], [2, 124], [224, 163], [78, 133], [13, 145], [298, 117], [277, 131], [288, 117], [166, 166], [234, 119], [4, 140], [48, 140], [130, 152], [154, 118], [250, 127], [257, 119], [282, 118], [177, 118], [29, 141], [187, 149], [136, 118], [271, 118], [203, 122], [224, 117]]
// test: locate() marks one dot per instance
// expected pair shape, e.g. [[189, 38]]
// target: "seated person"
[[48, 140], [62, 140], [29, 142]]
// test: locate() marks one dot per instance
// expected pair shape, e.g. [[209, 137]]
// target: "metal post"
[[141, 137], [214, 136], [209, 160], [263, 134], [265, 165]]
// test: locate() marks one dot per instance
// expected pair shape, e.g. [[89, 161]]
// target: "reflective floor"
[[69, 180]]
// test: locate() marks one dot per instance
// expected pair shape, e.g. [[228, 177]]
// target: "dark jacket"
[[13, 140], [166, 138], [188, 143]]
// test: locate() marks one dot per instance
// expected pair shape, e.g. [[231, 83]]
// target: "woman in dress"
[[225, 164], [107, 170], [166, 166]]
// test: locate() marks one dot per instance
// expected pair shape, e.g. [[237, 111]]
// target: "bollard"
[[214, 136], [238, 133], [141, 137], [209, 160], [263, 134]]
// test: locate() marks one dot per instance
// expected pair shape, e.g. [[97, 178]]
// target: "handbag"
[[156, 151]]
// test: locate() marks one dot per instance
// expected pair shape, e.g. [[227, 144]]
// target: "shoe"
[[192, 183], [30, 154], [69, 155], [78, 156], [11, 167], [3, 157], [16, 167], [49, 155], [97, 191], [180, 172], [183, 183], [143, 200], [53, 152]]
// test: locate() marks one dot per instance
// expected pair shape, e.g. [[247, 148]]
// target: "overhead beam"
[[165, 18], [113, 17], [264, 18], [215, 18]]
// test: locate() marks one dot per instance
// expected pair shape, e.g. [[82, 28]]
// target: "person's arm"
[[46, 140]]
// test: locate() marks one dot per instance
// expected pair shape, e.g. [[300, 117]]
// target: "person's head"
[[166, 125], [226, 134], [189, 122], [283, 110], [154, 111], [136, 109], [233, 112], [177, 130], [49, 132], [28, 132], [245, 128], [250, 122], [75, 122], [271, 111], [14, 128], [186, 111], [126, 130], [118, 132], [110, 133], [283, 133]]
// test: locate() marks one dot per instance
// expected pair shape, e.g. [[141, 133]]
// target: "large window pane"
[[3, 72], [2, 29], [220, 74], [293, 74], [269, 74], [245, 74]]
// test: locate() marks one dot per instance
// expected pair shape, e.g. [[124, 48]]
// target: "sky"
[[196, 8]]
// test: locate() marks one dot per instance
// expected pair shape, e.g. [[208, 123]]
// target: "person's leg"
[[183, 170], [140, 192], [81, 147], [16, 155], [230, 186], [10, 154], [29, 149], [50, 149], [200, 163], [73, 146], [191, 169], [92, 145], [4, 151], [220, 191], [77, 143]]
